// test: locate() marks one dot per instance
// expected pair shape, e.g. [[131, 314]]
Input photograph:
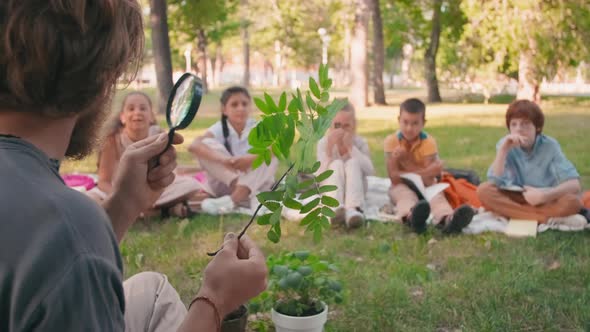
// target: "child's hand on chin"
[[513, 141]]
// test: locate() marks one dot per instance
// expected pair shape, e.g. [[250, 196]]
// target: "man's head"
[[526, 119], [61, 58], [412, 117], [345, 119]]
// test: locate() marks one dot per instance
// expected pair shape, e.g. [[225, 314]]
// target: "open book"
[[414, 182]]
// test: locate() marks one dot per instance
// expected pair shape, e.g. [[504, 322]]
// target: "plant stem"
[[274, 187]]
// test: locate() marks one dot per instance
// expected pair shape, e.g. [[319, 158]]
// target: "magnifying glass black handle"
[[155, 162]]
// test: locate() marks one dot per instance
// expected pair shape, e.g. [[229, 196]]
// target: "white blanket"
[[377, 196]]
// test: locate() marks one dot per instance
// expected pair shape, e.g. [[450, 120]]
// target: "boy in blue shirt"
[[528, 159]]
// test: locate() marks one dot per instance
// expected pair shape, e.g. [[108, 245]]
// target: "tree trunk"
[[528, 77], [430, 55], [392, 75], [202, 58], [408, 53], [218, 67], [345, 72], [214, 77], [161, 49], [358, 56], [378, 55], [276, 80], [246, 48], [528, 84], [269, 71]]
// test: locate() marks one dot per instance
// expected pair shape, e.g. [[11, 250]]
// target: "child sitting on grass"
[[223, 153], [134, 122], [528, 159], [347, 154], [411, 150]]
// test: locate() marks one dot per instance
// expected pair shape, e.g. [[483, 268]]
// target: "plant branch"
[[274, 187]]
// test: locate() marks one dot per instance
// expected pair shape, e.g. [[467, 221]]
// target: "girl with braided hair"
[[223, 153]]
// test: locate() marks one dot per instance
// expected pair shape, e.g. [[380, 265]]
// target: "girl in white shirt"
[[347, 154], [223, 153]]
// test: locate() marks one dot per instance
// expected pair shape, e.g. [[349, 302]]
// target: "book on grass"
[[414, 182], [521, 228]]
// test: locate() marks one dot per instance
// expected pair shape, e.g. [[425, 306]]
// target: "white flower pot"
[[284, 323]]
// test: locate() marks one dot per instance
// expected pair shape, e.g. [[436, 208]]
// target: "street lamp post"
[[187, 57], [325, 37], [278, 64]]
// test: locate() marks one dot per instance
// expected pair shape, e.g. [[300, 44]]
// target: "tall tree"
[[402, 25], [245, 43], [378, 54], [426, 28], [217, 63], [198, 20], [202, 58], [528, 76], [295, 24], [430, 54], [359, 87], [161, 49]]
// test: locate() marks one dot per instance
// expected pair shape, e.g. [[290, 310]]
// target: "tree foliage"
[[550, 34], [295, 25], [409, 22], [188, 18]]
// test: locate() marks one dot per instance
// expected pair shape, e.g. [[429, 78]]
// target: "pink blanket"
[[79, 180]]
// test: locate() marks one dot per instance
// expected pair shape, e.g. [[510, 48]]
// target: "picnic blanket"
[[377, 197]]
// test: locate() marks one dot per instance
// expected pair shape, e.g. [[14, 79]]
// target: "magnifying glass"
[[183, 104]]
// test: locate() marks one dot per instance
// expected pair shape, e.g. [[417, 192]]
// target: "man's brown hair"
[[525, 109], [62, 57]]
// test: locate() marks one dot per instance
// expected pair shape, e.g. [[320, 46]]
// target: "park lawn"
[[395, 280]]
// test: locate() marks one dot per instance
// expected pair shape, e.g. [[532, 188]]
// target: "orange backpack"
[[460, 192]]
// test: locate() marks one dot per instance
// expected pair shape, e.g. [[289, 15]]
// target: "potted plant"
[[236, 320], [300, 288]]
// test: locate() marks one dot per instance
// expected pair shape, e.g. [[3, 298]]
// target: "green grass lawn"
[[395, 280]]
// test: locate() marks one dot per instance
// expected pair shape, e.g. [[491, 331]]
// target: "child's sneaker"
[[339, 218], [586, 214], [417, 218], [216, 206], [574, 222], [354, 218], [459, 220]]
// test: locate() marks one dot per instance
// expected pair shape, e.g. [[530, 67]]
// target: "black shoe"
[[586, 213], [460, 219], [417, 218]]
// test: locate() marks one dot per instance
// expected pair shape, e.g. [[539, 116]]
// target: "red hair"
[[525, 109]]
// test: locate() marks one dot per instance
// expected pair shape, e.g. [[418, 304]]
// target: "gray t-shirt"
[[60, 267]]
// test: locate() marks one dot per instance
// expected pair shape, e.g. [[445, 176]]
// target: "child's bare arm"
[[201, 150], [107, 165], [432, 168], [499, 163], [393, 170]]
